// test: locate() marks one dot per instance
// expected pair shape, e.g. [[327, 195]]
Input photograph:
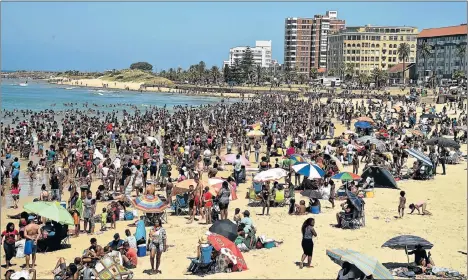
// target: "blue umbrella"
[[362, 125], [311, 171]]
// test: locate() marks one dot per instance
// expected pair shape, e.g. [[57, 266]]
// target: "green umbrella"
[[50, 210]]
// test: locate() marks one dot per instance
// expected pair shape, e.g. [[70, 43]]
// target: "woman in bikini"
[[157, 245]]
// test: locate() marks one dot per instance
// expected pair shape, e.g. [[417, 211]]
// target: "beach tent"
[[382, 177]]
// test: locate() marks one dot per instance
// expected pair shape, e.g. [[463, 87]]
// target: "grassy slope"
[[136, 76]]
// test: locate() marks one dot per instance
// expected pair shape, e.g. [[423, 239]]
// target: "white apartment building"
[[261, 54]]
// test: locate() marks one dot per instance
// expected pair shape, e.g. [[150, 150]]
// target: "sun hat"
[[202, 240]]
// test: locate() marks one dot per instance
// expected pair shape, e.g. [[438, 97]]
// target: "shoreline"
[[136, 87]]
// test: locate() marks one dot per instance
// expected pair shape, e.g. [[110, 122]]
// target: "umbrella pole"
[[406, 251]]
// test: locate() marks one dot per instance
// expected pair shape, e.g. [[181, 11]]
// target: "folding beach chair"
[[279, 198], [181, 207], [254, 199], [204, 264], [257, 186]]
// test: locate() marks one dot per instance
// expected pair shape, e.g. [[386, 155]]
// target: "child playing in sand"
[[420, 207], [300, 208], [237, 216], [401, 205]]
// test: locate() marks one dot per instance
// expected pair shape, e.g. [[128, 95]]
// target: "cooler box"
[[315, 210], [369, 193], [141, 252]]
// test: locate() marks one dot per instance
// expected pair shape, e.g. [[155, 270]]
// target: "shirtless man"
[[31, 233]]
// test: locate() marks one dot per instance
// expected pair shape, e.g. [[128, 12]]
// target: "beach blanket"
[[107, 268]]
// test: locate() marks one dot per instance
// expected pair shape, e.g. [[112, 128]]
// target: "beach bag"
[[128, 216]]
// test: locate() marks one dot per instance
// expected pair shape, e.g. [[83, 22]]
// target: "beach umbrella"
[[350, 132], [443, 142], [149, 140], [415, 132], [176, 190], [296, 158], [185, 184], [380, 145], [215, 185], [365, 119], [356, 201], [231, 158], [256, 126], [366, 264], [419, 156], [149, 203], [311, 193], [429, 116], [255, 133], [382, 177], [346, 176], [226, 228], [407, 242], [311, 171], [51, 210], [336, 160], [219, 242], [270, 175], [362, 125]]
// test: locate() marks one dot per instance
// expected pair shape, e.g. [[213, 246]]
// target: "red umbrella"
[[218, 242]]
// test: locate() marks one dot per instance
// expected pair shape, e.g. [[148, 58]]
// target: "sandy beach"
[[446, 229]]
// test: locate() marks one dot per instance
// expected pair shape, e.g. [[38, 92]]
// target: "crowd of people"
[[130, 152]]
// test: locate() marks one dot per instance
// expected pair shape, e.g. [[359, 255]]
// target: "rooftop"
[[461, 29], [398, 68]]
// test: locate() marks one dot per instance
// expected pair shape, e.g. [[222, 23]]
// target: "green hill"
[[137, 76]]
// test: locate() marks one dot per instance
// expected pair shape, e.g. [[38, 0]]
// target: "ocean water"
[[40, 95]]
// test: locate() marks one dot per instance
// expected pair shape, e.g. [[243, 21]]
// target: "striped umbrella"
[[420, 156], [346, 176], [311, 171], [149, 204], [366, 264], [297, 158]]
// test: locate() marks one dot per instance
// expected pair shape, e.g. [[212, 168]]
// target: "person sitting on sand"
[[348, 210], [300, 208], [420, 207], [349, 271], [64, 272], [421, 258], [129, 256]]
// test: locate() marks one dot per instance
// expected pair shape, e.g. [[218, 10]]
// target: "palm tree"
[[341, 70], [350, 70], [201, 70], [424, 50], [403, 53], [331, 72], [363, 79], [461, 53], [313, 73], [380, 76]]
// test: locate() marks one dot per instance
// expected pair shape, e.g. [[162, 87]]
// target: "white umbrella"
[[270, 175], [150, 139]]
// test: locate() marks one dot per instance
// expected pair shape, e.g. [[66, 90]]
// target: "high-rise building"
[[306, 41], [447, 51], [365, 48], [261, 54]]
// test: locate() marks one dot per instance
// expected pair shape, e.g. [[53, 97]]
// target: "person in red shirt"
[[129, 256], [9, 236], [15, 191], [208, 202]]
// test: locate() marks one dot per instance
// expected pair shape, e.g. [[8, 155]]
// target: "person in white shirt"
[[130, 239], [19, 245], [22, 274]]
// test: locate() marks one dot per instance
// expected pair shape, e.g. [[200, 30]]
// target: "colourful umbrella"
[[346, 176], [366, 264], [255, 133], [51, 210], [256, 126], [311, 171], [149, 204], [365, 119], [216, 184], [362, 125], [296, 158], [230, 158], [219, 242]]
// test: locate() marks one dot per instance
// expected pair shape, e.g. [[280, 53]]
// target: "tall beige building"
[[369, 47]]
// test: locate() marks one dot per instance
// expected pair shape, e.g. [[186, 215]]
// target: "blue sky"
[[98, 36]]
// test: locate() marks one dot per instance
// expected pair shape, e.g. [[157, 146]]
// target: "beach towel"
[[107, 268], [140, 230]]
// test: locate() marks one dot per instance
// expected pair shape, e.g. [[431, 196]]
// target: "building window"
[[378, 46], [372, 46]]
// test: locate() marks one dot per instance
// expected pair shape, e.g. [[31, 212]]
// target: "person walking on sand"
[[401, 205], [308, 233]]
